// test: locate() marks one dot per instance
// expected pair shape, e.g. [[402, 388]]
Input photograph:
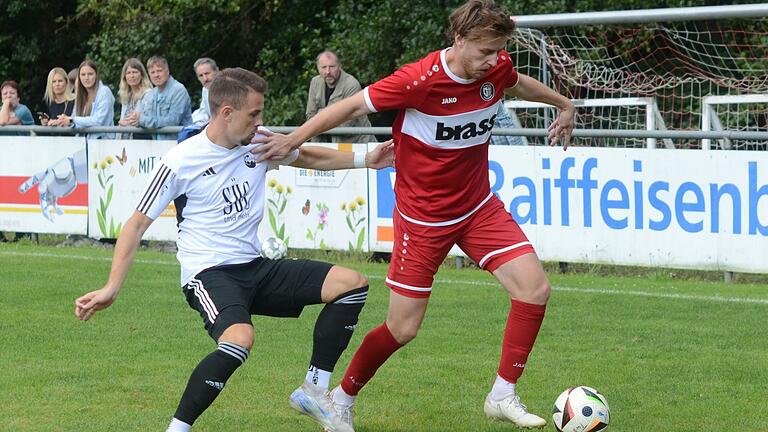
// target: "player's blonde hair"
[[480, 19]]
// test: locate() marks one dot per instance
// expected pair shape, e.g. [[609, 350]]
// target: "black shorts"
[[230, 294]]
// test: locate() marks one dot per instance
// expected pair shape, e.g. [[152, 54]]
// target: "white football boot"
[[343, 412], [512, 410], [315, 403]]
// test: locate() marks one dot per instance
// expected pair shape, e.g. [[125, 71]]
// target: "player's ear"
[[226, 112]]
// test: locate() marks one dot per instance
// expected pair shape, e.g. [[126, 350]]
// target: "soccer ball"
[[273, 248], [581, 409]]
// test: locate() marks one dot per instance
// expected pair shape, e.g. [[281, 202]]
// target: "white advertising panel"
[[318, 209], [672, 208], [118, 171], [43, 185]]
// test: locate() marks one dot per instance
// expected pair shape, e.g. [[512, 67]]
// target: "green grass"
[[670, 354]]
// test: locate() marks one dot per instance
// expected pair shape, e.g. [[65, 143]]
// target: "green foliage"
[[277, 38]]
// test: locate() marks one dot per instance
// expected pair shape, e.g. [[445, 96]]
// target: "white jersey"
[[219, 198]]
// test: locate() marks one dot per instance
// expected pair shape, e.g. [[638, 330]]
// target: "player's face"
[[58, 84], [478, 56], [158, 74], [205, 74], [132, 76], [245, 121], [87, 76], [328, 67]]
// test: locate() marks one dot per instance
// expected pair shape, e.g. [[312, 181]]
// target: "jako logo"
[[469, 130], [450, 100]]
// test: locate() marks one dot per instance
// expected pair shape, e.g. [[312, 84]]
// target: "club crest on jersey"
[[250, 160], [487, 90]]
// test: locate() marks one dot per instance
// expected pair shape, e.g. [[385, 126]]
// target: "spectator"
[[94, 102], [504, 120], [72, 76], [206, 70], [13, 112], [59, 97], [134, 93], [168, 103], [330, 86]]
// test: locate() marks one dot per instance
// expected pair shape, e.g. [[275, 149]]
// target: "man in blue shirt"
[[169, 103]]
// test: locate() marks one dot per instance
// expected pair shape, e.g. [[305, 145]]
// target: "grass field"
[[670, 355]]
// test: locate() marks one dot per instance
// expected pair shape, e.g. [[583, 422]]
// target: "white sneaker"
[[512, 410], [343, 412], [314, 403]]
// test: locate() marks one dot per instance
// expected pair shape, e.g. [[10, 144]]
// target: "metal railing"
[[386, 131]]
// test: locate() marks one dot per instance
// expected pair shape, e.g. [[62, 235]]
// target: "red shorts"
[[490, 237]]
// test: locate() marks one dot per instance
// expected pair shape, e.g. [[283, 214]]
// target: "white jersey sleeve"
[[159, 192]]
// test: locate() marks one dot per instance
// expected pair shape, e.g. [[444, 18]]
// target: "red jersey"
[[441, 135]]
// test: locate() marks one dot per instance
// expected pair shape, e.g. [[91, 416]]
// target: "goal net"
[[676, 65]]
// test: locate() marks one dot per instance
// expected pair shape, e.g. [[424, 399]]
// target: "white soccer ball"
[[273, 248], [581, 409]]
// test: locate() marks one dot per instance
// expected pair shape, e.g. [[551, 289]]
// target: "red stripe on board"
[[9, 193]]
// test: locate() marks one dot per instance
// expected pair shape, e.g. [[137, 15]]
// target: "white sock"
[[502, 389], [318, 377], [340, 397], [178, 426]]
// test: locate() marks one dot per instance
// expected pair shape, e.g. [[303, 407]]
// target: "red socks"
[[378, 345], [520, 334]]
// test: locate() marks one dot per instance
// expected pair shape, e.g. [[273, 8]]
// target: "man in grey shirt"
[[169, 103]]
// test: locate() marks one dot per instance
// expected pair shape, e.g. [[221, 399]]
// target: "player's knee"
[[542, 291], [403, 332], [341, 280], [239, 334]]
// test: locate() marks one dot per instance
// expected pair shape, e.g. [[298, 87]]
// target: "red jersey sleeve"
[[402, 90], [512, 76]]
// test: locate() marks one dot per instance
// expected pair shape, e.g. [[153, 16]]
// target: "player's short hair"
[[205, 60], [159, 60], [231, 87], [480, 19]]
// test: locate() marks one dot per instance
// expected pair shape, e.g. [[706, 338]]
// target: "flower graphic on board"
[[322, 221], [355, 222], [106, 225], [276, 207]]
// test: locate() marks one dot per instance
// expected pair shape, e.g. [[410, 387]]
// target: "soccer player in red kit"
[[447, 103]]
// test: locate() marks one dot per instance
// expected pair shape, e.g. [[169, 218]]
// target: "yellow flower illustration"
[[95, 165], [343, 206], [103, 165], [290, 189], [272, 183], [360, 201], [353, 206], [110, 159], [279, 188]]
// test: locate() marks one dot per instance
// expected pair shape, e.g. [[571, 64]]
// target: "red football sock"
[[376, 348], [523, 325]]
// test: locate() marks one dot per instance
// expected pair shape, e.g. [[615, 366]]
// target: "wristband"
[[359, 160]]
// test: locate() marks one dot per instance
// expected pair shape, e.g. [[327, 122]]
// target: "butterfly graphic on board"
[[305, 209], [123, 158]]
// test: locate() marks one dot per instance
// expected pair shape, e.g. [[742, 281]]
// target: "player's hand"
[[382, 156], [561, 129], [274, 146], [92, 302]]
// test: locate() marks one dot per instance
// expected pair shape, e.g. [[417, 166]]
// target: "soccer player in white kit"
[[218, 190], [446, 106]]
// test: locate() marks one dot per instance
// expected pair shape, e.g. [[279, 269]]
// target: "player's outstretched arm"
[[277, 146], [125, 251], [324, 158], [529, 89]]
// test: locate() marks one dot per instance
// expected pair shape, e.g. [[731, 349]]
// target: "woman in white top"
[[134, 89], [94, 102]]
